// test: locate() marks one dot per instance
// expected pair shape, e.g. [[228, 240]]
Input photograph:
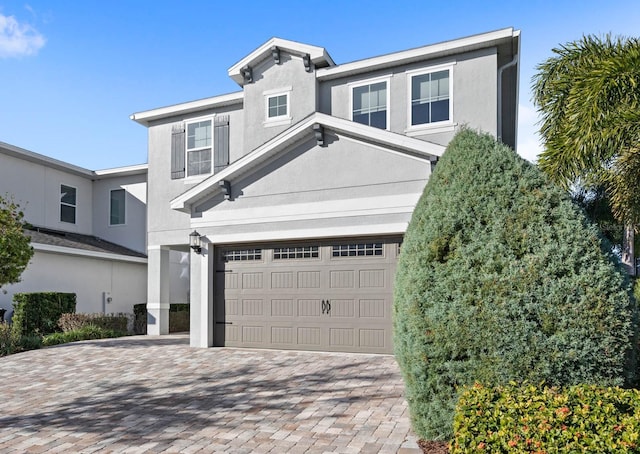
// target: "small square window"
[[278, 106]]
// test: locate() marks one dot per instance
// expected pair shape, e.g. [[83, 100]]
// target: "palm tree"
[[588, 95]]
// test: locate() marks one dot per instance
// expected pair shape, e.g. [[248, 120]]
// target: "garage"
[[323, 295]]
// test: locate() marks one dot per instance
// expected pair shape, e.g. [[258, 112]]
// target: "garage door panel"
[[298, 301]]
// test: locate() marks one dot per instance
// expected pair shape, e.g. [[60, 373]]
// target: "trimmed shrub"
[[178, 318], [527, 418], [8, 339], [140, 318], [38, 313], [501, 277], [87, 332], [113, 322]]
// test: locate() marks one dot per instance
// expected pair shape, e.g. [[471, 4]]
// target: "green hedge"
[[140, 318], [114, 322], [38, 313], [527, 418], [87, 332]]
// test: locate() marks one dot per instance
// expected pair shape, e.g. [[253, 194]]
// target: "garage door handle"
[[324, 306], [328, 306]]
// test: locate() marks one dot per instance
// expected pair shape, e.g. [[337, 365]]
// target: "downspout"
[[500, 71]]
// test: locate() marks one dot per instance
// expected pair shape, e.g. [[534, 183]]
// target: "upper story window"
[[67, 204], [199, 143], [277, 104], [430, 97], [196, 143], [369, 103], [117, 207]]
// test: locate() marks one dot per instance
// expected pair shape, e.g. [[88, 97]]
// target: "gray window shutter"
[[221, 143], [177, 151]]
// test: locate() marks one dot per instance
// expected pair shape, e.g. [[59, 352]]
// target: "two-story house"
[[295, 191], [87, 228]]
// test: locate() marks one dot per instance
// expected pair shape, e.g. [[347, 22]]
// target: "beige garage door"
[[332, 296]]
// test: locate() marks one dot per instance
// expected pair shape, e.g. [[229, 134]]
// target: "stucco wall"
[[474, 93], [132, 233], [271, 78], [346, 187], [37, 188], [87, 277]]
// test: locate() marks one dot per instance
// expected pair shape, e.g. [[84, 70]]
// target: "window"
[[116, 207], [242, 255], [299, 252], [277, 106], [357, 250], [67, 204], [199, 143], [430, 97], [369, 104]]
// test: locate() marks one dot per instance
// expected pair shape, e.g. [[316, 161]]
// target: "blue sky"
[[71, 72]]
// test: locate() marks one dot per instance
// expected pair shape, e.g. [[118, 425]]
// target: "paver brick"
[[155, 394]]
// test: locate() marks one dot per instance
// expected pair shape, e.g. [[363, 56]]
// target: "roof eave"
[[146, 117], [443, 49]]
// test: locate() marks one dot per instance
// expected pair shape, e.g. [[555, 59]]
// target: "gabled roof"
[[318, 55], [443, 49], [282, 143]]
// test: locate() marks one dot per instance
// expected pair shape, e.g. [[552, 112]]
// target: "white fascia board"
[[318, 55], [85, 253], [147, 116], [21, 153], [378, 137], [122, 171], [307, 234], [456, 46]]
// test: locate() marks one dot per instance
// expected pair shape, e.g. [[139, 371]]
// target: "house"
[[87, 228], [296, 190]]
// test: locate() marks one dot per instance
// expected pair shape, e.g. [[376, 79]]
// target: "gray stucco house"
[[300, 186]]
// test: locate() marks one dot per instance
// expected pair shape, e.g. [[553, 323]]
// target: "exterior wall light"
[[194, 242]]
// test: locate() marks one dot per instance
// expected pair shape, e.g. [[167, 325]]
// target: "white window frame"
[[439, 126], [75, 207], [280, 120], [190, 178], [362, 83], [125, 207]]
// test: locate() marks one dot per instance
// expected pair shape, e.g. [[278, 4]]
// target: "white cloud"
[[18, 39], [529, 146]]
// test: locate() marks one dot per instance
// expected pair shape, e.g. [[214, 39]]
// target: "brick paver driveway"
[[155, 394]]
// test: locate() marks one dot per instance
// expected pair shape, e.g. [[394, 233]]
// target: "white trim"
[[123, 171], [279, 120], [125, 207], [432, 51], [85, 253], [310, 234], [318, 55], [434, 127], [146, 117], [330, 209], [387, 80], [276, 91]]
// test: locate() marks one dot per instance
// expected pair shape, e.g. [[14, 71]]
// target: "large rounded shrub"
[[502, 278]]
